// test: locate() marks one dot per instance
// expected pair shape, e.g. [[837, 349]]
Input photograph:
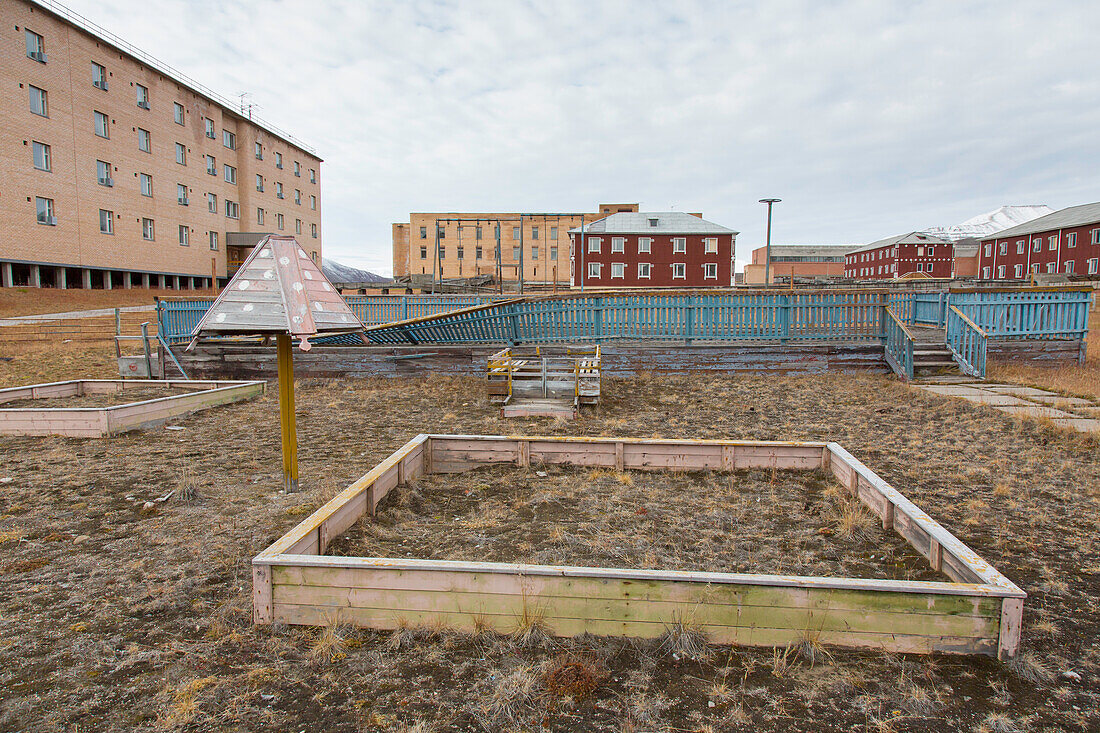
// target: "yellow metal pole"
[[286, 412]]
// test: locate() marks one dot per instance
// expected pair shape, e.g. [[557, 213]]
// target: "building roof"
[[810, 250], [278, 289], [668, 222], [1074, 216], [105, 36], [909, 238]]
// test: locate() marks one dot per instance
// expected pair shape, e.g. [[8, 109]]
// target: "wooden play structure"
[[98, 422], [279, 291], [544, 380], [976, 611]]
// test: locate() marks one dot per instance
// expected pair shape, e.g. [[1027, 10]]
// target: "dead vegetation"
[[114, 618]]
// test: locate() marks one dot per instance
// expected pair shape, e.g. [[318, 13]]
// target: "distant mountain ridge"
[[990, 222], [338, 273]]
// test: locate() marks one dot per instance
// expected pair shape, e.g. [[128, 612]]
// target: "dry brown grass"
[[36, 301], [1075, 380]]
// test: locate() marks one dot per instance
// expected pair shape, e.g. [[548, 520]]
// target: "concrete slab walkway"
[[1013, 399]]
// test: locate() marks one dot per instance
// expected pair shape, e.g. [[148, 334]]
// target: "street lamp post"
[[768, 250]]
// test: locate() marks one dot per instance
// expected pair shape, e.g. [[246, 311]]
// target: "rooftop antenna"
[[246, 108]]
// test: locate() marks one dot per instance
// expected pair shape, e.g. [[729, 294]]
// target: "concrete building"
[[666, 249], [119, 171], [1065, 242], [899, 256], [798, 261], [466, 244]]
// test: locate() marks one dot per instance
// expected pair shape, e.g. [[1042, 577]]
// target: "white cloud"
[[868, 118]]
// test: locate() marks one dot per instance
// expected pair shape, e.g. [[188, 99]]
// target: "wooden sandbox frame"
[[98, 422], [979, 612]]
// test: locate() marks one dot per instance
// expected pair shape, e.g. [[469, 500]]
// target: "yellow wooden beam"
[[286, 412]]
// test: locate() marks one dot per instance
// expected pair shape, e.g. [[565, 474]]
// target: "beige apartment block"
[[132, 174], [468, 244]]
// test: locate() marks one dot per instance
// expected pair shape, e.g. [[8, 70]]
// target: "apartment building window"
[[460, 252], [1002, 248], [442, 252], [553, 232], [679, 271], [985, 273], [211, 165], [515, 253], [1096, 236], [618, 270], [145, 141], [230, 173], [229, 140], [710, 246], [645, 245], [147, 230], [594, 270], [423, 232], [423, 252], [99, 76], [1036, 245], [297, 197], [618, 244], [41, 153], [142, 95], [313, 230], [278, 189], [312, 176], [259, 183], [233, 209], [39, 104], [214, 241], [185, 236], [554, 252], [313, 202], [1000, 272], [1071, 240], [102, 127], [594, 244], [1094, 265], [259, 149], [36, 46], [515, 232], [710, 271], [1020, 247], [181, 153], [279, 221], [931, 252], [297, 169], [1067, 268], [212, 203], [208, 127], [298, 230], [106, 221], [920, 250], [440, 232], [279, 161], [1018, 271], [260, 216], [477, 252], [643, 270], [177, 113], [103, 173], [1051, 267], [181, 194], [146, 184], [679, 244], [534, 232], [653, 222]]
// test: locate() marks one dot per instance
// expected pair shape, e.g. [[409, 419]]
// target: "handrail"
[[168, 350], [969, 322], [966, 342], [898, 346]]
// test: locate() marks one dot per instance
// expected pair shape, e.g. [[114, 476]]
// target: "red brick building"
[[667, 249], [1067, 241], [902, 255]]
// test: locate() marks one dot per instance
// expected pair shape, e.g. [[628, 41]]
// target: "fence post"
[[785, 320], [689, 318], [597, 304]]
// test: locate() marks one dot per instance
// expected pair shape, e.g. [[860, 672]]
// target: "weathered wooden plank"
[[1012, 617], [262, 604]]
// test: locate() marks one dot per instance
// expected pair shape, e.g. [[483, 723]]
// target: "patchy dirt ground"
[[114, 618], [778, 522], [95, 400]]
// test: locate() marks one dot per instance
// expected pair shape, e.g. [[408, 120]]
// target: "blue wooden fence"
[[899, 345]]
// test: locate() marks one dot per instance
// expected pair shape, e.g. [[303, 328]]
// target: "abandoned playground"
[[758, 510]]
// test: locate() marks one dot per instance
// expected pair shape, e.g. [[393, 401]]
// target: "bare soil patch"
[[96, 400], [36, 301], [773, 522], [113, 617]]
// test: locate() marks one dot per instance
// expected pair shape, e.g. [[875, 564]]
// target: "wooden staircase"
[[931, 357]]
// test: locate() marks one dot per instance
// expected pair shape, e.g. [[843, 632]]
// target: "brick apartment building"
[[800, 261], [1066, 242], [901, 255], [121, 172], [667, 249], [467, 244]]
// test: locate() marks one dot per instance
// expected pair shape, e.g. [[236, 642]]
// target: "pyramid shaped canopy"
[[278, 289]]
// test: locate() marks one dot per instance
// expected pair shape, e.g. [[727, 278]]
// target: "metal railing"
[[967, 342], [899, 346]]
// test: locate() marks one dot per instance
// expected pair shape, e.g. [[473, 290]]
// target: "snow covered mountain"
[[990, 222], [338, 273]]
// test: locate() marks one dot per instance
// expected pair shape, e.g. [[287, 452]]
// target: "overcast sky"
[[867, 118]]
